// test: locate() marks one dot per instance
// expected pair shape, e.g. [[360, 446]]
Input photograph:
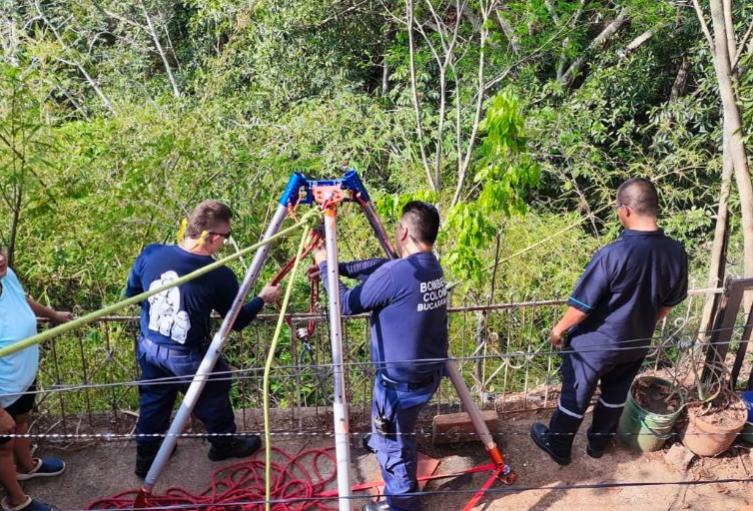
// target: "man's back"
[[408, 301], [181, 314], [623, 289]]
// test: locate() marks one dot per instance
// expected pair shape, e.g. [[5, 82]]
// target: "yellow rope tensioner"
[[267, 370], [305, 220], [182, 230]]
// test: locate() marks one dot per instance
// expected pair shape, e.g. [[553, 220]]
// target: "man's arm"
[[571, 318], [663, 313], [589, 292], [374, 291], [360, 269], [46, 312], [133, 284], [225, 295]]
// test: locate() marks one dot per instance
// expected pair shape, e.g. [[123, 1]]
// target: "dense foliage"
[[118, 117], [518, 118]]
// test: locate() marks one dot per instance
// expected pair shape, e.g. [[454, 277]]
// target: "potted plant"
[[717, 414]]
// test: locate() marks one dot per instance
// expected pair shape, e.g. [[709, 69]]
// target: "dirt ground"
[[107, 468]]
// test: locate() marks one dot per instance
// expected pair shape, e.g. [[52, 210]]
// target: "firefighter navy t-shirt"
[[622, 290], [408, 303], [182, 315]]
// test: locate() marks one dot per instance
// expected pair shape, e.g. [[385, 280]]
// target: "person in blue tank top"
[[407, 298], [628, 286], [18, 373], [176, 329]]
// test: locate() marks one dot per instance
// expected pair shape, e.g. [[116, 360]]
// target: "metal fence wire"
[[90, 377]]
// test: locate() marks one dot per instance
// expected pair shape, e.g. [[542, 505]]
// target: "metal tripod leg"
[[340, 404], [507, 475], [210, 359]]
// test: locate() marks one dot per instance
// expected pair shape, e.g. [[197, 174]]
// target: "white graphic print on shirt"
[[165, 315]]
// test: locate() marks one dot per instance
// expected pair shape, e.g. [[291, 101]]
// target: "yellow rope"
[[267, 370]]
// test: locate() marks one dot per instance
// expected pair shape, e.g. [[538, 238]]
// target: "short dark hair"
[[207, 216], [640, 195], [422, 221]]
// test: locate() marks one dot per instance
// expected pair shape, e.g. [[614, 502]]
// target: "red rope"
[[316, 237], [299, 480], [303, 476]]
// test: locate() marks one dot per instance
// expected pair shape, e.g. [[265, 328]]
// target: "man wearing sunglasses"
[[628, 286], [407, 298], [176, 329]]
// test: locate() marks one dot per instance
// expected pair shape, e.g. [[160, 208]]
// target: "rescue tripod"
[[327, 194]]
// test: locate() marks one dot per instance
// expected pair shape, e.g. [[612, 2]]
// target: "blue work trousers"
[[156, 399], [399, 405], [580, 377]]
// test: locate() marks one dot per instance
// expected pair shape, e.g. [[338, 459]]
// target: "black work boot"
[[145, 455], [366, 445], [238, 447], [377, 506], [594, 452], [540, 434]]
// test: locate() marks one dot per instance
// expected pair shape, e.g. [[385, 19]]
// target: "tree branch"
[[463, 170], [414, 94], [105, 101], [509, 32], [161, 52], [741, 47], [729, 29], [636, 43], [552, 11], [704, 25], [597, 43]]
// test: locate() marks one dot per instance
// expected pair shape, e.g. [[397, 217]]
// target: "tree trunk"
[[681, 80], [718, 262], [733, 131]]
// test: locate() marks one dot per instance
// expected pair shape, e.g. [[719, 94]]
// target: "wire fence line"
[[657, 344], [502, 351]]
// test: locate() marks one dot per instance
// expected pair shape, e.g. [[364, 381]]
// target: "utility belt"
[[149, 345], [389, 383], [417, 393]]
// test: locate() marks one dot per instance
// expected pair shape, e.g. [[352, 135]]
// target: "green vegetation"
[[518, 118]]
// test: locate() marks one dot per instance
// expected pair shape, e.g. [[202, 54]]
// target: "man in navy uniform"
[[407, 298], [175, 330], [628, 286]]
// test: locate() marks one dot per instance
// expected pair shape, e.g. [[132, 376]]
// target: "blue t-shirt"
[[181, 316], [622, 290], [408, 303], [17, 322]]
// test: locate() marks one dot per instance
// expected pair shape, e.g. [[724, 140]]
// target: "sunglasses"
[[225, 235]]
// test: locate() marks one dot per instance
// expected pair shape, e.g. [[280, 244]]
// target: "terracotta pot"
[[707, 439]]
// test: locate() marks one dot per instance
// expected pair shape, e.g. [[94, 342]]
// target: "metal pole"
[[464, 394], [210, 359], [368, 209], [340, 404]]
